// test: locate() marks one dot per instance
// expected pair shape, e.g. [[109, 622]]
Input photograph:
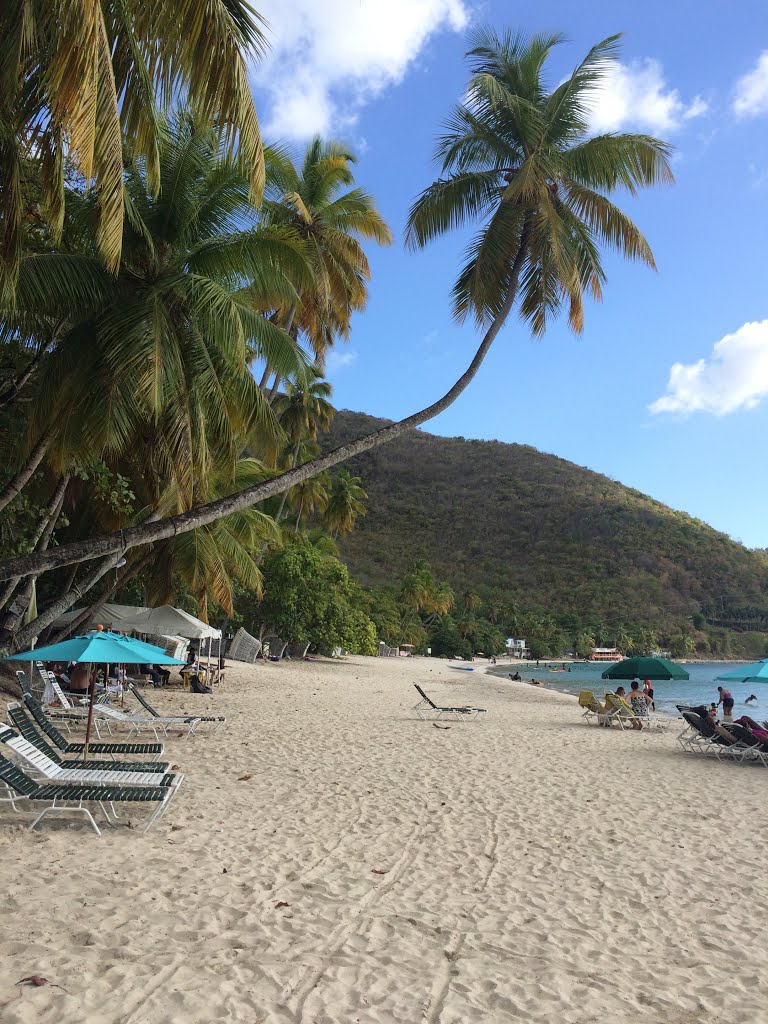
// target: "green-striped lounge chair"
[[215, 721], [53, 734], [39, 763], [26, 690], [21, 721], [67, 797]]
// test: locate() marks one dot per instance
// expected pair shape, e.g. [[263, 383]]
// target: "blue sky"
[[383, 77]]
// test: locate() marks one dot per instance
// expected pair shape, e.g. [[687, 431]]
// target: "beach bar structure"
[[605, 654]]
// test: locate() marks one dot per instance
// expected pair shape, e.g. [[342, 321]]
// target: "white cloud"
[[751, 95], [336, 359], [637, 96], [329, 58], [735, 376]]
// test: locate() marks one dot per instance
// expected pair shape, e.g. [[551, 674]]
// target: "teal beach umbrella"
[[98, 648], [757, 672], [645, 668]]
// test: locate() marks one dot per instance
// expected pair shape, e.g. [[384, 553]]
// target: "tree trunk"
[[12, 390], [279, 513], [33, 629], [130, 572], [149, 533], [267, 369], [275, 384], [42, 538], [15, 485]]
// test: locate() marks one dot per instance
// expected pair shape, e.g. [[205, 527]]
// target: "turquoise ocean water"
[[701, 688]]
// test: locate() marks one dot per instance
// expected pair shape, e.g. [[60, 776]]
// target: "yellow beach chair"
[[593, 707], [618, 711]]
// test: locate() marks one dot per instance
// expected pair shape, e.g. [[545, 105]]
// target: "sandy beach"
[[331, 859]]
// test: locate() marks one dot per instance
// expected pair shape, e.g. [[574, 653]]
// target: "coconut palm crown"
[[522, 160]]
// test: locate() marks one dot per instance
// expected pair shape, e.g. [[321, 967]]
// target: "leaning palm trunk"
[[281, 509], [117, 543], [41, 539], [271, 392], [24, 475], [34, 628], [120, 581], [14, 387]]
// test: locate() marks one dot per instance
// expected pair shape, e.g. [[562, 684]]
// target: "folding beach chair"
[[215, 721], [40, 764], [50, 730], [594, 709], [23, 724], [618, 711], [67, 701], [70, 798], [706, 740], [425, 706]]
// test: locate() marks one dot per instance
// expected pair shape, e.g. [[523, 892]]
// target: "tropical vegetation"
[[169, 290], [516, 156]]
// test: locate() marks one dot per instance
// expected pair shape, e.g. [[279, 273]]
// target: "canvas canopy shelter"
[[165, 621]]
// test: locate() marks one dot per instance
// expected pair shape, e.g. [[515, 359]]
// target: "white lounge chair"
[[41, 764], [69, 798], [215, 721], [106, 714]]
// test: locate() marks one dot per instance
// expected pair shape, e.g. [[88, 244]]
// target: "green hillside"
[[507, 519]]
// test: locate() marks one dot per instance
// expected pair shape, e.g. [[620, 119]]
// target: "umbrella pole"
[[91, 696]]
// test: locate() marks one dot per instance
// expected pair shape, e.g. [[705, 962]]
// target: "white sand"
[[533, 869]]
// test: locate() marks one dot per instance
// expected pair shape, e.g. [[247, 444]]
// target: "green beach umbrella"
[[645, 668], [757, 672]]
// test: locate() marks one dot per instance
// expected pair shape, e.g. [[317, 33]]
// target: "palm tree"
[[332, 222], [624, 641], [302, 411], [523, 161], [345, 503], [309, 496], [206, 562], [155, 360], [470, 601], [77, 79]]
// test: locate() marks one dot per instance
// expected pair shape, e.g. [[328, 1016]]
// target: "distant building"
[[605, 654], [517, 648]]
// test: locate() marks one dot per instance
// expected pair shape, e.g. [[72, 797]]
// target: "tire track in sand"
[[441, 983], [296, 993]]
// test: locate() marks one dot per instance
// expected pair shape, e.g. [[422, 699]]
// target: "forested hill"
[[505, 518]]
